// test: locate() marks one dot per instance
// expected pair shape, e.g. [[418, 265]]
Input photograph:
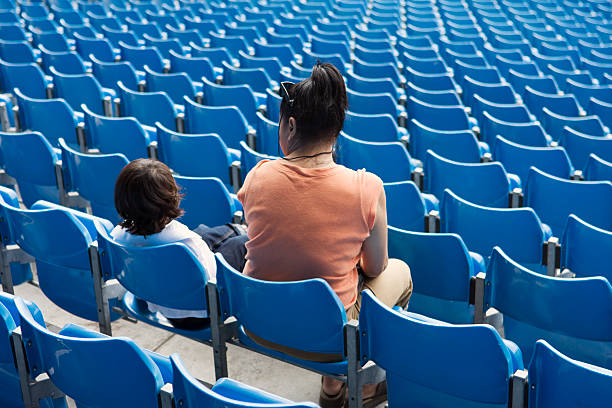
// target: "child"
[[148, 200]]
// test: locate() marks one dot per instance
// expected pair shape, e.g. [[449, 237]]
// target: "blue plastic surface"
[[373, 127], [597, 169], [207, 201], [147, 107]]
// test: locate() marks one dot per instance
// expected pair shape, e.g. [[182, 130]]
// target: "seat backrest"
[[554, 124], [497, 93], [207, 201], [68, 62], [371, 85], [78, 90], [190, 393], [517, 159], [260, 307], [147, 107], [573, 315], [93, 176], [431, 82], [459, 145], [480, 183], [561, 382], [249, 159], [30, 159], [441, 267], [144, 271], [372, 103], [597, 169], [444, 98], [455, 117], [389, 160], [579, 146], [415, 351], [554, 199], [103, 130], [29, 78], [540, 83], [101, 48], [483, 228], [141, 56], [109, 73], [405, 206], [195, 67], [175, 85], [562, 104], [203, 155], [371, 127], [226, 121], [52, 117], [256, 78], [528, 134], [240, 96], [583, 249], [76, 366]]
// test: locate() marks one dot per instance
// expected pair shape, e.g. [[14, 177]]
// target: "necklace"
[[307, 157]]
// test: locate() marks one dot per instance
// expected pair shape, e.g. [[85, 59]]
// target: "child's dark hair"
[[146, 197], [319, 105]]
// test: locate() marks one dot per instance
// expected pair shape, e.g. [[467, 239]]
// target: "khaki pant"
[[393, 287]]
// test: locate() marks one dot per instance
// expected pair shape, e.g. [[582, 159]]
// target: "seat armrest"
[[514, 180], [478, 263], [237, 203], [484, 148], [431, 202], [515, 353]]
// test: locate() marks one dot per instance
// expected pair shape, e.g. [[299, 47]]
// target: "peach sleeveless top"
[[308, 223]]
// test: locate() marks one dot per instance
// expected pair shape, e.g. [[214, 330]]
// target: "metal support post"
[[104, 320], [432, 222], [180, 123], [166, 397], [216, 330], [235, 175], [80, 136], [518, 389], [418, 176], [516, 198], [477, 289], [251, 138], [552, 256], [353, 355], [4, 117]]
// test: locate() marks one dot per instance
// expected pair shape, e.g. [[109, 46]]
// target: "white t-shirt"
[[173, 232]]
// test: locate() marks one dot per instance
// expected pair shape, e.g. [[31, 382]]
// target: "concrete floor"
[[251, 368]]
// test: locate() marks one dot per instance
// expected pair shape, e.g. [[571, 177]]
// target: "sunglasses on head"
[[284, 91]]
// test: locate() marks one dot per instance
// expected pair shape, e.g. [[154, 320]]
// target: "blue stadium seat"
[[216, 55], [29, 78], [512, 112], [283, 52], [389, 160], [517, 159], [13, 32], [597, 169], [147, 107], [425, 66], [271, 65], [431, 82], [583, 249], [83, 89], [554, 124], [164, 46], [528, 134], [17, 52], [139, 56], [62, 265], [141, 27], [30, 159], [485, 184], [322, 46], [85, 357], [496, 93], [194, 67], [570, 314], [584, 92], [204, 155], [232, 44], [380, 103], [137, 267], [93, 177], [100, 48], [565, 104], [540, 83], [559, 381], [448, 97], [379, 56], [110, 73], [387, 70], [373, 128], [249, 159], [407, 208], [517, 230], [458, 145], [240, 96], [554, 199], [116, 135], [523, 67], [226, 121], [601, 109], [175, 85], [439, 117], [266, 140], [191, 393], [372, 86], [562, 76], [256, 78], [10, 321], [412, 378], [441, 268], [52, 117], [206, 201], [68, 62], [579, 146], [116, 37]]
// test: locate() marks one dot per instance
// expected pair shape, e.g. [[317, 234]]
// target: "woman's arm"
[[374, 253]]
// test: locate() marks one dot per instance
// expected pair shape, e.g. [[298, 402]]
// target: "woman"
[[312, 218]]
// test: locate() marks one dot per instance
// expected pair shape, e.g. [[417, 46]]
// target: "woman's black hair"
[[319, 105], [146, 197]]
